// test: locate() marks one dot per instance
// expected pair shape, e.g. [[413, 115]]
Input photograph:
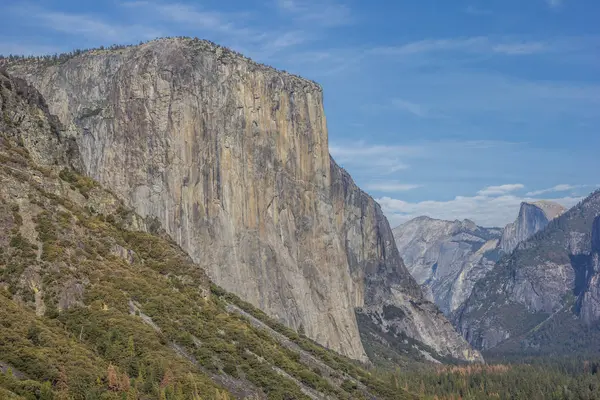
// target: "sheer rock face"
[[447, 257], [550, 274], [232, 159], [393, 300], [24, 116], [590, 298], [533, 217]]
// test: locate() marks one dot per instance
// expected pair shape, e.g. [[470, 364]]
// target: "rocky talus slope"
[[97, 302], [543, 297], [447, 258], [231, 159]]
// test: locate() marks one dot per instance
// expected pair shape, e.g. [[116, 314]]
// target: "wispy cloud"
[[410, 107], [240, 30], [484, 210], [152, 19], [384, 159], [432, 45], [501, 189], [325, 13], [477, 11], [520, 48], [24, 48], [554, 3], [377, 162], [212, 21], [361, 148], [559, 188], [458, 168], [474, 45], [461, 95], [89, 26], [287, 39], [391, 186]]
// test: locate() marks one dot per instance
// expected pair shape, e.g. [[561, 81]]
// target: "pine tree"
[[46, 392], [131, 347]]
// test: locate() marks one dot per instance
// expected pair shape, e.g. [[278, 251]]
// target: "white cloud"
[[475, 45], [412, 108], [554, 3], [430, 45], [500, 190], [558, 188], [239, 30], [370, 160], [448, 168], [391, 186], [477, 11], [384, 159], [463, 94], [520, 48], [325, 62], [484, 210], [27, 49], [325, 13], [219, 22], [88, 26], [360, 148], [287, 39]]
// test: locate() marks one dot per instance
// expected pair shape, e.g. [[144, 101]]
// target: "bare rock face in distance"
[[447, 258], [548, 286], [590, 296], [533, 217], [232, 158]]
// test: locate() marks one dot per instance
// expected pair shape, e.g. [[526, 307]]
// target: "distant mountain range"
[[532, 288], [543, 298], [449, 257]]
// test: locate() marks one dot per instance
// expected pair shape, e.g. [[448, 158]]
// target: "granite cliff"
[[231, 158], [541, 298], [447, 258], [589, 299], [533, 217], [97, 302]]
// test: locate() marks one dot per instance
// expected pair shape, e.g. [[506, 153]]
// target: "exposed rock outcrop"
[[231, 158], [550, 276], [447, 258], [82, 288], [25, 117], [533, 217], [590, 296]]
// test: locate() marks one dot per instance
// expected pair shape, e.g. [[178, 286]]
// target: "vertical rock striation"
[[231, 157], [533, 217], [392, 301], [549, 278], [447, 258], [590, 296], [24, 117]]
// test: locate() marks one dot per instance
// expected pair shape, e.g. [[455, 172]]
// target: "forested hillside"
[[97, 303]]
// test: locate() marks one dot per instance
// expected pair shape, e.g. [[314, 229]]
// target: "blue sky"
[[454, 109]]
